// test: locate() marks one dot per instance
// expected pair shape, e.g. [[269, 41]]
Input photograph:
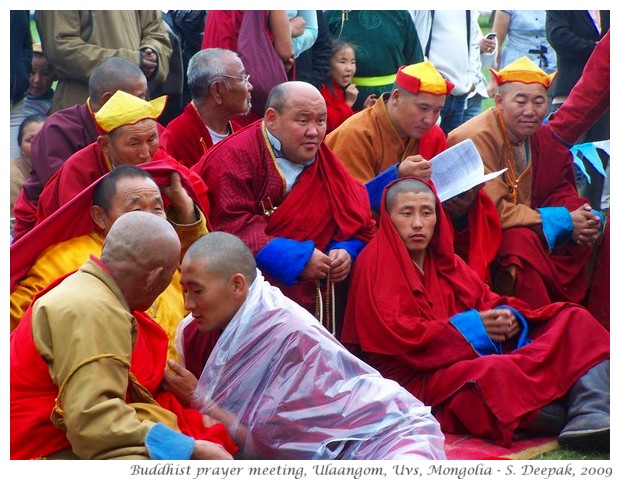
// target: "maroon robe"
[[63, 133], [326, 203], [89, 164], [187, 138], [478, 242], [73, 218], [400, 319]]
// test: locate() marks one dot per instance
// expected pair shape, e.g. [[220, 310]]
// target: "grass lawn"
[[561, 454]]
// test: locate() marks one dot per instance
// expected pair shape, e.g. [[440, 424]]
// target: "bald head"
[[281, 94], [142, 252], [224, 255], [115, 74]]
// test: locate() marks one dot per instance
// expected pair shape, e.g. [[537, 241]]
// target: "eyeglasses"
[[244, 79]]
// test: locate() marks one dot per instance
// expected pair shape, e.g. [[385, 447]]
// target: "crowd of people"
[[227, 240]]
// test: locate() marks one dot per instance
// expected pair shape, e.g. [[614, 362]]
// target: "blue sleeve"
[[470, 325], [557, 225], [352, 246], [163, 443], [311, 32], [375, 187], [284, 259]]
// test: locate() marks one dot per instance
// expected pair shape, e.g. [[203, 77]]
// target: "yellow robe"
[[65, 257]]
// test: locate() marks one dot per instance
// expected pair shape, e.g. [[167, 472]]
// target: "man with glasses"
[[220, 90]]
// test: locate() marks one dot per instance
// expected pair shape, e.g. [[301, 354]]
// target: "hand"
[[370, 100], [205, 450], [416, 166], [586, 225], [500, 324], [317, 267], [487, 45], [288, 65], [180, 382], [458, 207], [298, 26], [350, 94], [180, 200], [148, 61], [341, 264]]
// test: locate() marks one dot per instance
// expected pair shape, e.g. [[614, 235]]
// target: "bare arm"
[[501, 23], [281, 31]]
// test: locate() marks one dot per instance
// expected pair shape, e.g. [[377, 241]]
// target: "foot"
[[589, 440]]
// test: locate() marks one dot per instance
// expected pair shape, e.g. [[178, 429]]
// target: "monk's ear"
[[239, 285], [216, 90], [271, 117], [98, 216], [104, 143]]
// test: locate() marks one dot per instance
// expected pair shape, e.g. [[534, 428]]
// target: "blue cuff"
[[163, 443], [375, 187], [601, 218], [470, 325], [523, 340], [284, 259], [353, 247], [557, 225]]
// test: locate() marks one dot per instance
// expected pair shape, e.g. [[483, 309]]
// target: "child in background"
[[39, 97], [20, 165], [338, 91]]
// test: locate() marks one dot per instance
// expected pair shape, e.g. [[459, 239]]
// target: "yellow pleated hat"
[[423, 77], [124, 109], [523, 70]]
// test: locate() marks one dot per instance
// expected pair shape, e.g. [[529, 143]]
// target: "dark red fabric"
[[544, 277], [222, 29], [479, 241], [88, 165], [187, 138], [326, 204], [63, 133], [400, 320], [337, 109], [73, 218], [588, 99], [199, 345], [33, 394], [599, 300]]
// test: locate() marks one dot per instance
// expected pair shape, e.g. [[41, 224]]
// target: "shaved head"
[[224, 255], [141, 251]]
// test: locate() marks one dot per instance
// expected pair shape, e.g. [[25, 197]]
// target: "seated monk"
[[548, 231], [283, 386], [220, 90], [487, 364], [128, 136], [65, 240], [86, 361]]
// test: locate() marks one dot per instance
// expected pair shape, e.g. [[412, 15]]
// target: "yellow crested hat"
[[124, 109], [523, 71], [423, 77]]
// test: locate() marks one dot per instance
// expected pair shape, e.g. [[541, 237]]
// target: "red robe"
[[478, 242], [588, 99], [222, 29], [33, 393], [73, 218], [326, 204], [88, 165], [337, 108], [400, 319], [187, 138]]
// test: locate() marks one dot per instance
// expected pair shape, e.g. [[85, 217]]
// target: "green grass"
[[562, 454]]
